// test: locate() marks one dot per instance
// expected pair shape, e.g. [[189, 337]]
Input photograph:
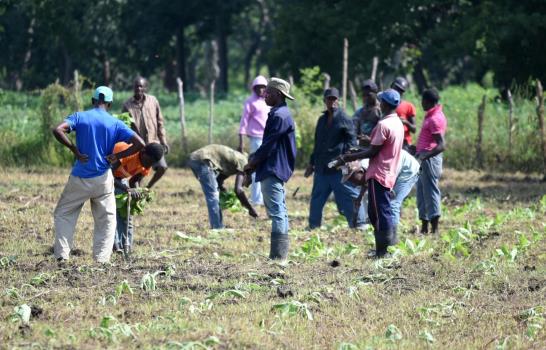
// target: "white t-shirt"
[[408, 168]]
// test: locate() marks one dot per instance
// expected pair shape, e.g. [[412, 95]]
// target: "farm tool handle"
[[126, 235]]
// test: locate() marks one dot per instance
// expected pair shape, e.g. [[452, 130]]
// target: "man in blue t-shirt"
[[91, 178]]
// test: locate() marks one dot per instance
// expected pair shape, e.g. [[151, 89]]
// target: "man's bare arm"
[[60, 132]]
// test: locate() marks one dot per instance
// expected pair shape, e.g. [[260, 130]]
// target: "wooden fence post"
[[345, 71], [510, 119], [77, 91], [211, 109], [182, 115], [479, 155], [353, 95], [540, 114]]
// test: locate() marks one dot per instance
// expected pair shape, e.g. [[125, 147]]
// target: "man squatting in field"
[[252, 125], [385, 151], [430, 146], [212, 165], [274, 163], [334, 135], [148, 122], [91, 178], [128, 172]]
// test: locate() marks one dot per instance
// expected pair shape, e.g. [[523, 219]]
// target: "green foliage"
[[125, 118], [194, 345], [21, 314], [458, 242], [534, 319], [294, 308], [110, 329], [229, 201], [393, 333], [137, 205]]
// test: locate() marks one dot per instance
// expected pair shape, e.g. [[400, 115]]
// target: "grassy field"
[[481, 284], [20, 127]]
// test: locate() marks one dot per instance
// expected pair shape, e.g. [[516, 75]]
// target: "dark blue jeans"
[[207, 177], [379, 207], [344, 194]]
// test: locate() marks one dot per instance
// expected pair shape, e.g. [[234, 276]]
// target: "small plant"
[[347, 346], [293, 308], [230, 293], [148, 282], [110, 328], [123, 287], [393, 333], [194, 345], [534, 319], [40, 279], [137, 205], [313, 248], [7, 261], [409, 247], [229, 201], [427, 336], [458, 242], [507, 253], [21, 314], [125, 118]]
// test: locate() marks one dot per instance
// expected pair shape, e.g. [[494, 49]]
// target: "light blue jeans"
[[428, 190], [207, 177], [121, 225], [344, 194], [274, 201], [255, 190], [401, 190]]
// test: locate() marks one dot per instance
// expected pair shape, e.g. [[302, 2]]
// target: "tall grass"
[[22, 144]]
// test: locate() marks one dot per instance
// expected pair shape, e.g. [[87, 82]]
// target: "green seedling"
[[40, 279], [148, 282], [21, 314], [293, 308], [534, 319], [110, 328], [427, 336], [123, 287], [393, 333], [229, 201], [409, 247], [507, 253], [313, 248], [353, 293], [230, 293], [184, 237], [458, 242], [347, 346], [137, 205], [7, 261], [12, 293], [194, 345]]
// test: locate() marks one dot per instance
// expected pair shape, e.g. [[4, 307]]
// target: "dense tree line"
[[434, 42]]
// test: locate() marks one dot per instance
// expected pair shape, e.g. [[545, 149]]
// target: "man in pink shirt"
[[255, 112], [430, 147], [387, 139]]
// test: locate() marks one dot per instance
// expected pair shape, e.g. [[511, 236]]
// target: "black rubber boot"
[[434, 225], [279, 247], [424, 227]]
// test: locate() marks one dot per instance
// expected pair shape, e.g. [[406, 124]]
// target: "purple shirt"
[[435, 123], [254, 116]]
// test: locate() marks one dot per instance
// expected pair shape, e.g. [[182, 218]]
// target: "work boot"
[[434, 224], [424, 227], [393, 236], [279, 247]]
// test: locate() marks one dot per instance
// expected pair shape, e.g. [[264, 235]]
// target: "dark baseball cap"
[[331, 92], [370, 85]]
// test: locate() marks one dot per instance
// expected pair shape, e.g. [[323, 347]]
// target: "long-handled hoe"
[[126, 238]]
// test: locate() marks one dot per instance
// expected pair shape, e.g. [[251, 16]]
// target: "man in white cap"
[[252, 125], [91, 178], [274, 163]]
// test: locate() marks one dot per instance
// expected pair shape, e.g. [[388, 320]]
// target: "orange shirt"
[[406, 110], [131, 165]]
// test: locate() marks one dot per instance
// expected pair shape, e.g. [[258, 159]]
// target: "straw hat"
[[282, 85]]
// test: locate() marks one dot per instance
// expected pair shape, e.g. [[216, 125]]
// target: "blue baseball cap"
[[106, 91], [390, 96]]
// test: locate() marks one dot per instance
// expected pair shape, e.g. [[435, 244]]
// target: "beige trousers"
[[100, 190]]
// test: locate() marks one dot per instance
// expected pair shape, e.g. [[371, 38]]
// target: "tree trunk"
[[222, 28], [345, 71], [180, 52], [182, 115], [211, 110], [67, 66]]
